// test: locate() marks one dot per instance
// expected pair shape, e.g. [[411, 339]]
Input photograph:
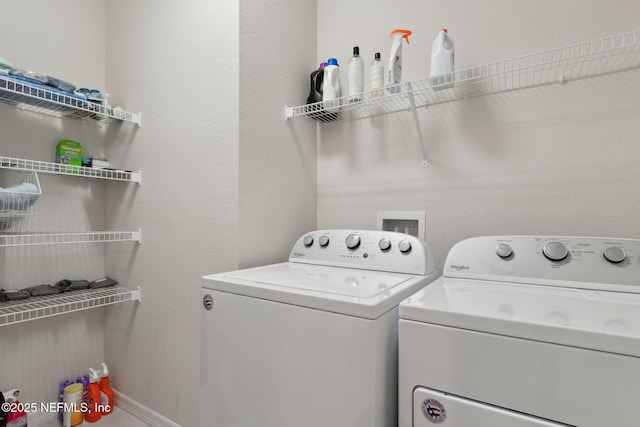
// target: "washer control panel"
[[585, 262], [364, 249]]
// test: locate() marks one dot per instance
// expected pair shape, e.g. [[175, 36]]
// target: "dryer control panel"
[[584, 262], [364, 249]]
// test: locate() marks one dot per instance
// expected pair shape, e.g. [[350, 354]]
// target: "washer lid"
[[598, 320], [356, 292]]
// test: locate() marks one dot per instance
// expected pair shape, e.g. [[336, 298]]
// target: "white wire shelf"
[[61, 169], [40, 99], [36, 239], [589, 59], [603, 56], [32, 308]]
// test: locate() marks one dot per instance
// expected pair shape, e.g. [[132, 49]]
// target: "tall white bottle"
[[331, 91], [442, 61], [356, 76], [377, 76]]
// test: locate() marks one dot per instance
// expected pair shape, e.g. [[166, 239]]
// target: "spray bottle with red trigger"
[[93, 400], [394, 74], [106, 392]]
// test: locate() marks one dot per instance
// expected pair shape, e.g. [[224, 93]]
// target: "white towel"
[[18, 197]]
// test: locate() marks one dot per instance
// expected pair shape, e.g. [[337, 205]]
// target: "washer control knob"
[[614, 254], [352, 241], [404, 246], [555, 251], [384, 244], [308, 241], [503, 250], [323, 241]]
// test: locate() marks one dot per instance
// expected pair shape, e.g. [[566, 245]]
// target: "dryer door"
[[432, 407]]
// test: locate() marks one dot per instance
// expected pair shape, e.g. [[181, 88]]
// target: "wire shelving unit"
[[611, 54], [46, 100]]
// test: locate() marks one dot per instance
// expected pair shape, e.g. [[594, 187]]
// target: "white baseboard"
[[141, 412], [122, 403]]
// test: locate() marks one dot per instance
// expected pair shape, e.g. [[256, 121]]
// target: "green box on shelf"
[[69, 153]]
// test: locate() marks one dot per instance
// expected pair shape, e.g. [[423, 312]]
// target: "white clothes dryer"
[[525, 331], [313, 341]]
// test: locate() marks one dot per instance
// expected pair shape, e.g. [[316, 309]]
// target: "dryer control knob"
[[352, 241], [323, 241], [404, 246], [308, 241], [614, 254], [384, 244], [555, 251], [503, 250]]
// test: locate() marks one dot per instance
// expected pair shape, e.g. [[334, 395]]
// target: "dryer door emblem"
[[434, 411]]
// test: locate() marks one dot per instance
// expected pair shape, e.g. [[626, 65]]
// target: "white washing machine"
[[313, 341], [525, 331]]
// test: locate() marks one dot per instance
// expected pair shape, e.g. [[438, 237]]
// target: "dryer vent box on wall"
[[403, 222]]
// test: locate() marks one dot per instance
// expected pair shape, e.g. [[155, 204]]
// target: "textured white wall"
[[554, 160], [177, 63], [222, 172], [277, 158]]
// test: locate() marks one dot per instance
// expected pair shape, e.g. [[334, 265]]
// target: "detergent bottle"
[[315, 92], [331, 91], [442, 59], [394, 73], [93, 399], [317, 77], [106, 392]]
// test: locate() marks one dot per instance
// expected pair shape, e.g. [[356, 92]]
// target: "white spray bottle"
[[394, 73]]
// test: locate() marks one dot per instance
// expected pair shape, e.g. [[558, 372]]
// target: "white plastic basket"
[[19, 192]]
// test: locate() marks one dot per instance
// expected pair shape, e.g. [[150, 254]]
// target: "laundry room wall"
[[221, 172], [277, 159], [176, 63], [560, 159]]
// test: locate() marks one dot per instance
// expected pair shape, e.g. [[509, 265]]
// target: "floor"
[[118, 418]]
